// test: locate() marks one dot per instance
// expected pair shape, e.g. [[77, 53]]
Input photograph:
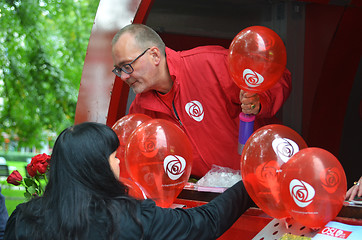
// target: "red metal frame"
[[118, 102], [340, 64], [119, 96]]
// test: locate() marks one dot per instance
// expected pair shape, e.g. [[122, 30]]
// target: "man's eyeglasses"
[[127, 68]]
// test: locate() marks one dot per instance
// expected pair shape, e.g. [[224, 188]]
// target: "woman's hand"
[[355, 190]]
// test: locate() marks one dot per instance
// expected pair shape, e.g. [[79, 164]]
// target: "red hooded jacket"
[[204, 102]]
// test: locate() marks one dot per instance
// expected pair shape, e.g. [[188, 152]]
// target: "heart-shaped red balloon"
[[266, 150], [123, 128], [313, 187], [257, 59], [159, 158]]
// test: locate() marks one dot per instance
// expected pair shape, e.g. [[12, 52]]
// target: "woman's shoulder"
[[147, 208], [19, 209], [10, 224]]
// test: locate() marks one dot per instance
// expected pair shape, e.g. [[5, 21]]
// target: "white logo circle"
[[195, 110], [174, 166], [284, 148], [302, 192], [252, 78]]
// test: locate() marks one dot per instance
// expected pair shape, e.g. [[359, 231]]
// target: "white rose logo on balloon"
[[284, 148], [174, 166], [195, 110], [302, 192], [252, 78]]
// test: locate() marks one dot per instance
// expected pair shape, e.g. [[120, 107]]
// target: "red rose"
[[41, 167], [41, 158], [30, 170], [39, 164], [14, 178]]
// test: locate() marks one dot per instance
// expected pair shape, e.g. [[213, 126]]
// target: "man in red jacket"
[[193, 89]]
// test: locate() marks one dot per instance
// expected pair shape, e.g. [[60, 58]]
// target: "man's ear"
[[156, 55]]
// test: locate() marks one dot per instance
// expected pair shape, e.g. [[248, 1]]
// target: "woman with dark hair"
[[85, 200]]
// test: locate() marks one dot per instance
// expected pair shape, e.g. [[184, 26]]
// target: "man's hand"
[[250, 103]]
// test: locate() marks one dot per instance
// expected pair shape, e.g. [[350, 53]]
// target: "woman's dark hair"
[[81, 185]]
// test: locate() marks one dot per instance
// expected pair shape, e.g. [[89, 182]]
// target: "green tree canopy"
[[42, 50]]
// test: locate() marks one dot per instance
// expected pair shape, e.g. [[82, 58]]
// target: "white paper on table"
[[332, 231], [338, 231]]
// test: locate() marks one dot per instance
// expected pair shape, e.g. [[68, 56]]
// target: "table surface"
[[254, 219]]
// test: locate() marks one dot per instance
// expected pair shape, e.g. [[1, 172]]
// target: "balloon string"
[[285, 220]]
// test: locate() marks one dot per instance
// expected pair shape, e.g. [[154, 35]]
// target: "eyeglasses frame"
[[117, 70]]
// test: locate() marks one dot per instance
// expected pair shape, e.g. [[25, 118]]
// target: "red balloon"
[[134, 189], [266, 150], [159, 158], [123, 128], [257, 59], [313, 187]]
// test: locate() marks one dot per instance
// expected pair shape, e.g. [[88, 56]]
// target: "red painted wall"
[[333, 45]]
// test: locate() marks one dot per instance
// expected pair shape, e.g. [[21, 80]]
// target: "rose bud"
[[14, 178]]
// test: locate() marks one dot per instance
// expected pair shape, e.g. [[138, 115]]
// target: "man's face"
[[124, 52]]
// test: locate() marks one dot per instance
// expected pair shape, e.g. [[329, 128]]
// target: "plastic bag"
[[220, 177]]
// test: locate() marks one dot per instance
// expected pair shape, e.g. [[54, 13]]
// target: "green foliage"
[[13, 196], [42, 49]]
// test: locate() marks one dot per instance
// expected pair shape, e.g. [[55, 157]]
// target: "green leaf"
[[32, 190], [27, 195], [30, 182]]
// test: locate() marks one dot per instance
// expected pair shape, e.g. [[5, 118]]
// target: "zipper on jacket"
[[176, 114]]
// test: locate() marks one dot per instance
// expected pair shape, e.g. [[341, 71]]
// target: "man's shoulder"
[[201, 50], [145, 96]]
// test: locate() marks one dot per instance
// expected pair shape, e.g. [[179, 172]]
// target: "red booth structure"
[[324, 45]]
